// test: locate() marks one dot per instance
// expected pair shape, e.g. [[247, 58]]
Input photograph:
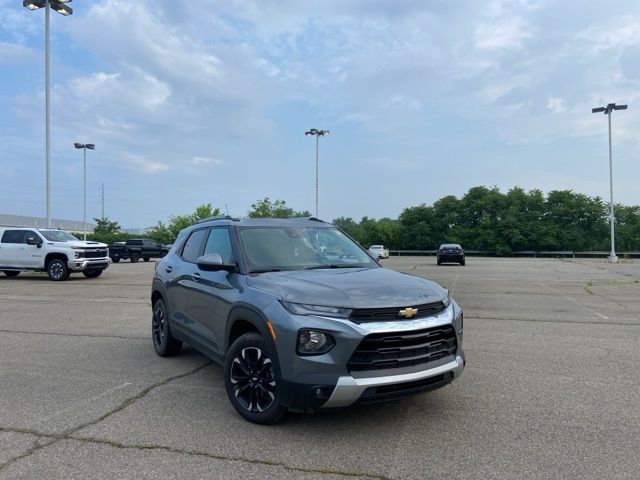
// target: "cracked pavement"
[[551, 390]]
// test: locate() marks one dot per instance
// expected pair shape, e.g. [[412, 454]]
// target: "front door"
[[30, 256]]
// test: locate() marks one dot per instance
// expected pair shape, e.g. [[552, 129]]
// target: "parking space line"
[[574, 301]]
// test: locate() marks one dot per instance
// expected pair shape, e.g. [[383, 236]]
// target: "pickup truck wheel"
[[115, 260], [57, 270], [164, 342], [11, 273], [135, 257], [92, 272], [146, 259], [249, 378]]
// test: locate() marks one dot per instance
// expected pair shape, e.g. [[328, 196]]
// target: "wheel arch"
[[244, 320], [53, 255]]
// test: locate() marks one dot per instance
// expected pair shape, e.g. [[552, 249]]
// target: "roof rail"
[[219, 217], [315, 219]]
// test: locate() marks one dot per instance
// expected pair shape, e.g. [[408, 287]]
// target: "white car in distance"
[[378, 251]]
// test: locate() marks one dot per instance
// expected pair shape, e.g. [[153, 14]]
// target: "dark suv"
[[301, 317]]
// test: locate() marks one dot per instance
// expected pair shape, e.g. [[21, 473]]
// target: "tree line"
[[482, 219]]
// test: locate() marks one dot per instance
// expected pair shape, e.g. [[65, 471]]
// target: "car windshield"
[[376, 247], [58, 236], [299, 248], [450, 245]]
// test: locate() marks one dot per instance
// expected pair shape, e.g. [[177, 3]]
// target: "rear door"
[[181, 287], [10, 244]]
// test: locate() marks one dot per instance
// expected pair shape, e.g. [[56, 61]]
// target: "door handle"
[[196, 276], [168, 269]]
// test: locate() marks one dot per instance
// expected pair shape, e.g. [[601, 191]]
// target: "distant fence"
[[525, 253]]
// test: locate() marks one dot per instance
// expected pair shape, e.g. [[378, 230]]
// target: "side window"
[[14, 236], [219, 242], [193, 246]]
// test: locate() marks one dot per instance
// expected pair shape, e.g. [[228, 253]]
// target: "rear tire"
[[135, 257], [146, 259], [11, 273], [92, 272], [249, 378], [57, 270], [115, 260], [165, 344]]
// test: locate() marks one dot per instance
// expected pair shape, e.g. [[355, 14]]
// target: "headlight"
[[321, 310], [312, 342], [447, 300]]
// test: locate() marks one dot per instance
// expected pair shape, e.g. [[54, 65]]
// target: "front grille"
[[361, 315], [102, 253], [389, 392], [403, 349]]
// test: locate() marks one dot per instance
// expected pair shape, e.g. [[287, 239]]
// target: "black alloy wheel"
[[57, 270], [250, 380], [163, 341]]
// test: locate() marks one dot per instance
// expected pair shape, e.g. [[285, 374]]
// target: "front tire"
[[165, 344], [249, 378], [462, 263], [11, 273], [146, 259], [115, 259], [92, 272], [57, 270], [135, 257]]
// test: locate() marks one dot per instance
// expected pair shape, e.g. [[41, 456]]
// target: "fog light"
[[312, 342]]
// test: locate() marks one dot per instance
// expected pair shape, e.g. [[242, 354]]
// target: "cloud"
[[556, 105], [144, 165], [16, 53], [198, 161]]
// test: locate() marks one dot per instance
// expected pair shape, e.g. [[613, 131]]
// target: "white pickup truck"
[[53, 251]]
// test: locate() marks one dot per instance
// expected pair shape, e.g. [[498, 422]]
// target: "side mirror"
[[213, 263], [33, 241]]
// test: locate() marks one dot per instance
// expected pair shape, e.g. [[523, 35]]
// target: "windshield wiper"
[[264, 270], [333, 265]]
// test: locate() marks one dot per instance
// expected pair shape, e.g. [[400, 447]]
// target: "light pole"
[[60, 7], [84, 147], [607, 111], [318, 134]]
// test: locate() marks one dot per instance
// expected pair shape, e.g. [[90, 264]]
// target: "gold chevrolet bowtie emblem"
[[408, 312]]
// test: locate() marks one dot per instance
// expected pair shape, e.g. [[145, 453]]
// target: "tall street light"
[[607, 111], [60, 7], [318, 134], [84, 146]]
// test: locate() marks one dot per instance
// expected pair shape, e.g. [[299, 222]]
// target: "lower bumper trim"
[[348, 389]]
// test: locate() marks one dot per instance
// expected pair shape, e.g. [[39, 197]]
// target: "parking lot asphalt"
[[551, 389]]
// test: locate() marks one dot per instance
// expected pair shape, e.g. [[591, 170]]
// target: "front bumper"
[[80, 264], [308, 383], [349, 389]]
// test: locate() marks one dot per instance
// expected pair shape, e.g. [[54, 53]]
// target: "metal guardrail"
[[524, 253]]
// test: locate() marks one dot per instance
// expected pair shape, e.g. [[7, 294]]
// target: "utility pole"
[[102, 201]]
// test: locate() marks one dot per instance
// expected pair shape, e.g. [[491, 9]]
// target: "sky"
[[197, 102]]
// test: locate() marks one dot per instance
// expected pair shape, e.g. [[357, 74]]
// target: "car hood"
[[349, 288], [79, 243]]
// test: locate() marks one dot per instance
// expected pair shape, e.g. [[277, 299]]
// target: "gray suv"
[[302, 317]]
